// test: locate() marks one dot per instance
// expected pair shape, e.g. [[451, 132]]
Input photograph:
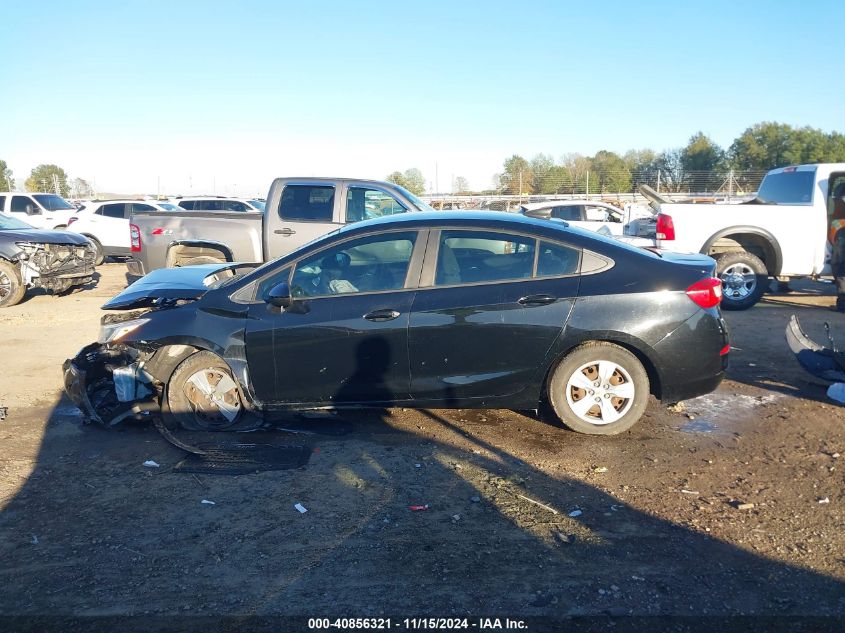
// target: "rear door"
[[112, 224], [489, 309], [303, 212]]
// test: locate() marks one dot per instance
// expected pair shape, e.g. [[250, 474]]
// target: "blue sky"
[[202, 96]]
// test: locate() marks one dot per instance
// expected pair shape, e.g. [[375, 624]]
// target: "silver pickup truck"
[[297, 211]]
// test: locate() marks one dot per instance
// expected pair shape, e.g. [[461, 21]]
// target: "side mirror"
[[279, 296], [31, 209]]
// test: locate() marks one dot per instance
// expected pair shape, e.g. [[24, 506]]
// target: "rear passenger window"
[[234, 205], [113, 210], [307, 203], [188, 205], [555, 260], [568, 212], [473, 256]]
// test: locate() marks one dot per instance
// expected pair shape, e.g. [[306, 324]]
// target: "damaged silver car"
[[32, 258]]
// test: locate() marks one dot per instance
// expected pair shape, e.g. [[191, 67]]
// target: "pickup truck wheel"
[[202, 259], [201, 395], [744, 279], [599, 389], [12, 289]]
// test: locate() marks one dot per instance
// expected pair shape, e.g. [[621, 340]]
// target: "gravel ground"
[[729, 504]]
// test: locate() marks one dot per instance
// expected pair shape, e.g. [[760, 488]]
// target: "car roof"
[[436, 219]]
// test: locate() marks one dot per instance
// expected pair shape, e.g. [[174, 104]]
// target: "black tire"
[[201, 259], [581, 367], [187, 405], [12, 289], [99, 255], [744, 279]]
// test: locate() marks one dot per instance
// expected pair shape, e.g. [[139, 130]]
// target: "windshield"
[[258, 204], [10, 224], [422, 206], [788, 187], [52, 202]]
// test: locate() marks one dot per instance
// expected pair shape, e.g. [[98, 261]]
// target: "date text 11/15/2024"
[[387, 624]]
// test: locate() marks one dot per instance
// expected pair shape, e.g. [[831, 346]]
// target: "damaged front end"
[[109, 383], [56, 267]]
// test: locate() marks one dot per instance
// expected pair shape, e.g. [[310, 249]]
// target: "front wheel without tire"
[[201, 395], [744, 279], [599, 389], [12, 289]]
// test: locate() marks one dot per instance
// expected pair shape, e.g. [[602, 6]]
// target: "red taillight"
[[71, 220], [135, 238], [665, 227], [706, 293], [724, 351]]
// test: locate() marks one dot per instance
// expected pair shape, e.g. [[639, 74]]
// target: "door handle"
[[537, 300], [284, 231], [382, 315]]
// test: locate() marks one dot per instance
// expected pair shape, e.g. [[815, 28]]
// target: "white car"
[[600, 217], [218, 203], [41, 210], [106, 224]]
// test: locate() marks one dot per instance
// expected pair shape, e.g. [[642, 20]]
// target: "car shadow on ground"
[[92, 532]]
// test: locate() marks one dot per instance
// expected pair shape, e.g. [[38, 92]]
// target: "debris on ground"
[[542, 505], [4, 411], [151, 464], [566, 539], [575, 513], [475, 498], [34, 540], [207, 502], [600, 469], [740, 505], [456, 518], [678, 407], [689, 492], [418, 508], [836, 392], [301, 508], [824, 500]]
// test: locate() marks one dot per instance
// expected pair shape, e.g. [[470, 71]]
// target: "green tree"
[[671, 166], [411, 179], [81, 189], [643, 165], [702, 154], [577, 168], [762, 146], [48, 178], [541, 166], [7, 182], [609, 173], [517, 173]]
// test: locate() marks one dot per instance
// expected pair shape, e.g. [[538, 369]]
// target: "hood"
[[44, 237], [168, 284], [654, 198]]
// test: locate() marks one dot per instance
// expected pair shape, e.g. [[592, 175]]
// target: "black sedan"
[[419, 310]]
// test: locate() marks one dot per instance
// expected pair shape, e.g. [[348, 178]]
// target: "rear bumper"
[[691, 362], [135, 267]]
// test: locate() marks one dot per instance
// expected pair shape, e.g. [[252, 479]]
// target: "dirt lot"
[[86, 529]]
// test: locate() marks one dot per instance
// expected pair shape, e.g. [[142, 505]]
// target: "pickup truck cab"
[[297, 211], [781, 233], [40, 210]]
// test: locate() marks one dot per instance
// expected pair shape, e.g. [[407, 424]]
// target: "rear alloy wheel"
[[12, 289], [744, 279], [599, 389], [202, 395]]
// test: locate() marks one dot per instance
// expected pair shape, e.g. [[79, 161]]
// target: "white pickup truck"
[[41, 210], [781, 233]]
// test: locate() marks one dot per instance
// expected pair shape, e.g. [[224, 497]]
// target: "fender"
[[753, 230], [227, 252]]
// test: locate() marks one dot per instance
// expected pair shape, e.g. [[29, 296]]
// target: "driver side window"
[[370, 264]]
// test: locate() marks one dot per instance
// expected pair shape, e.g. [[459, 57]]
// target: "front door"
[[490, 314], [344, 340], [305, 212]]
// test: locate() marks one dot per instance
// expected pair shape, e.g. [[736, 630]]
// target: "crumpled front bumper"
[[105, 383]]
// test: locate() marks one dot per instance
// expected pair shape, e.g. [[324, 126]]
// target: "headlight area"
[[56, 267], [113, 332]]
